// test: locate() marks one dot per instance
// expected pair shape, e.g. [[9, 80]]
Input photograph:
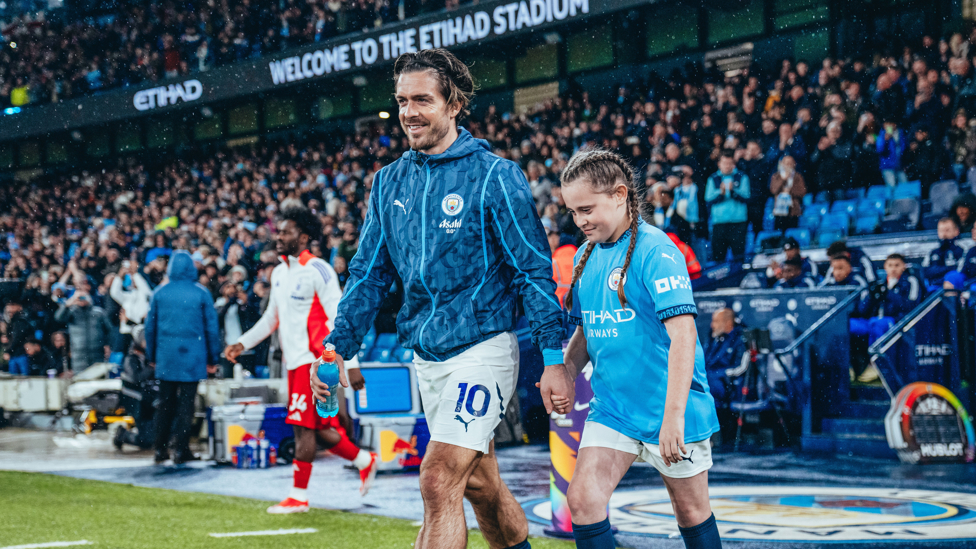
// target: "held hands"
[[231, 352], [321, 390], [558, 389], [671, 442]]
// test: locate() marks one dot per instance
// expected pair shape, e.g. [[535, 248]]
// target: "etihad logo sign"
[[163, 96]]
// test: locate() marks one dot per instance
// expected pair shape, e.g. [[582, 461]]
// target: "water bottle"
[[264, 449], [328, 373], [252, 450]]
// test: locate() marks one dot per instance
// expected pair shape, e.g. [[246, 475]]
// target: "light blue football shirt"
[[629, 347]]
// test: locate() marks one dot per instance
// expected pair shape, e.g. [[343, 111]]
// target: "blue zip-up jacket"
[[462, 231], [941, 261], [891, 150], [731, 207]]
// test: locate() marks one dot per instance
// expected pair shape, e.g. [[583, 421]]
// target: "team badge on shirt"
[[614, 281], [452, 204]]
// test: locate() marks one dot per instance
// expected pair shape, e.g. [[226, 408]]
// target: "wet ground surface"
[[526, 471]]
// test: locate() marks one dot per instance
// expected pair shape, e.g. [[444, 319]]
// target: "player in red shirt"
[[304, 298]]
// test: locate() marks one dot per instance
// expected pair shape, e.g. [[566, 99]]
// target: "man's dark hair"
[[728, 153], [456, 83], [898, 257], [948, 219], [843, 256], [306, 221], [838, 248], [794, 262]]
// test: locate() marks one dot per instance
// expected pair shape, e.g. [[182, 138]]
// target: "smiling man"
[[459, 226]]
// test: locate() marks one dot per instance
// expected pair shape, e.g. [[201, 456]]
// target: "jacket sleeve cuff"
[[344, 346], [551, 357]]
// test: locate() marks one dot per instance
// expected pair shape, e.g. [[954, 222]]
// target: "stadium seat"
[[847, 206], [769, 221], [807, 200], [867, 223], [362, 356], [942, 195], [802, 236], [836, 220], [869, 206], [769, 240], [912, 189], [903, 215], [823, 197], [380, 355], [826, 237], [809, 221], [879, 191], [855, 194], [386, 341], [369, 340], [821, 208], [404, 355]]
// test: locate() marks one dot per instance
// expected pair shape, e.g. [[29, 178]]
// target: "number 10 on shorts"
[[469, 402]]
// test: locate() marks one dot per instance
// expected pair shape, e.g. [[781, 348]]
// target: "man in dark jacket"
[[946, 257], [723, 356], [89, 327], [18, 333], [183, 341], [139, 390], [39, 359], [925, 160]]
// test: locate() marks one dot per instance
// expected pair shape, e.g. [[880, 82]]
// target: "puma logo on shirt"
[[466, 423]]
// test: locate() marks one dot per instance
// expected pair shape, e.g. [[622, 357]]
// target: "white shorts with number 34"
[[465, 397]]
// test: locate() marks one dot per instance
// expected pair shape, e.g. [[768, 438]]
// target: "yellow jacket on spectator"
[[19, 96]]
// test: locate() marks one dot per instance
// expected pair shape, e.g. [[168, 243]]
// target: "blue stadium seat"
[[802, 236], [827, 237], [370, 339], [903, 215], [386, 341], [404, 355], [867, 223], [854, 194], [879, 191], [380, 355], [820, 208], [807, 199], [836, 220], [847, 206], [942, 195], [912, 189], [769, 221], [768, 240], [809, 221], [362, 355], [868, 206], [823, 197]]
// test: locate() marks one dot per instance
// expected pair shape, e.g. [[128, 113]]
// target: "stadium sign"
[[451, 31], [928, 424], [474, 24], [799, 514], [144, 100]]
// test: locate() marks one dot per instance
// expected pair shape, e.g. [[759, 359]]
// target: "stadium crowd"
[[43, 61], [710, 151]]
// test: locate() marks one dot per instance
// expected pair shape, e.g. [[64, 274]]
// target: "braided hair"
[[604, 171]]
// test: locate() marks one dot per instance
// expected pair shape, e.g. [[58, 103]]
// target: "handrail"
[[815, 327], [883, 343]]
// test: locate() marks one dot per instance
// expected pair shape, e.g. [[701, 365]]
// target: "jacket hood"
[[181, 267], [465, 145], [967, 199]]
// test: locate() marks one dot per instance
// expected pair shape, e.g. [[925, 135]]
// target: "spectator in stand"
[[39, 360], [726, 194], [89, 327], [792, 277], [755, 165], [945, 258], [19, 332], [833, 160], [132, 293], [789, 145], [925, 160], [788, 189], [61, 352], [183, 343], [891, 145], [236, 314], [963, 212]]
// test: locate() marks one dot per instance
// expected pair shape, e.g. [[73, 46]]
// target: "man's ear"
[[454, 109]]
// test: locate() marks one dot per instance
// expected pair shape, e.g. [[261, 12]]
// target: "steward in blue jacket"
[[182, 336], [723, 356], [946, 257], [461, 230]]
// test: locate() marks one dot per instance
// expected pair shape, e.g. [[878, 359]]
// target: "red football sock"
[[303, 470], [345, 449]]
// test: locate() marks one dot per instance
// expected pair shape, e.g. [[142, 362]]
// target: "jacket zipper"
[[423, 261]]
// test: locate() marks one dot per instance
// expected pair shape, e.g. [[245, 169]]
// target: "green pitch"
[[38, 508]]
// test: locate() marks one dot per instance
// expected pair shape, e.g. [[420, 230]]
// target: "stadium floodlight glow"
[[384, 115], [11, 110]]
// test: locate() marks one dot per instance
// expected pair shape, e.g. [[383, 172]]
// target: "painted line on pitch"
[[49, 544], [282, 532]]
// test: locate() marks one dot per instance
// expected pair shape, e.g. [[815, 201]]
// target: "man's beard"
[[435, 132]]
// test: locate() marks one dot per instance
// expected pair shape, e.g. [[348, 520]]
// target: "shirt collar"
[[623, 238], [302, 259]]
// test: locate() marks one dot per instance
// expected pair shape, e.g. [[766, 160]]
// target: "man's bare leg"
[[444, 475], [500, 517]]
